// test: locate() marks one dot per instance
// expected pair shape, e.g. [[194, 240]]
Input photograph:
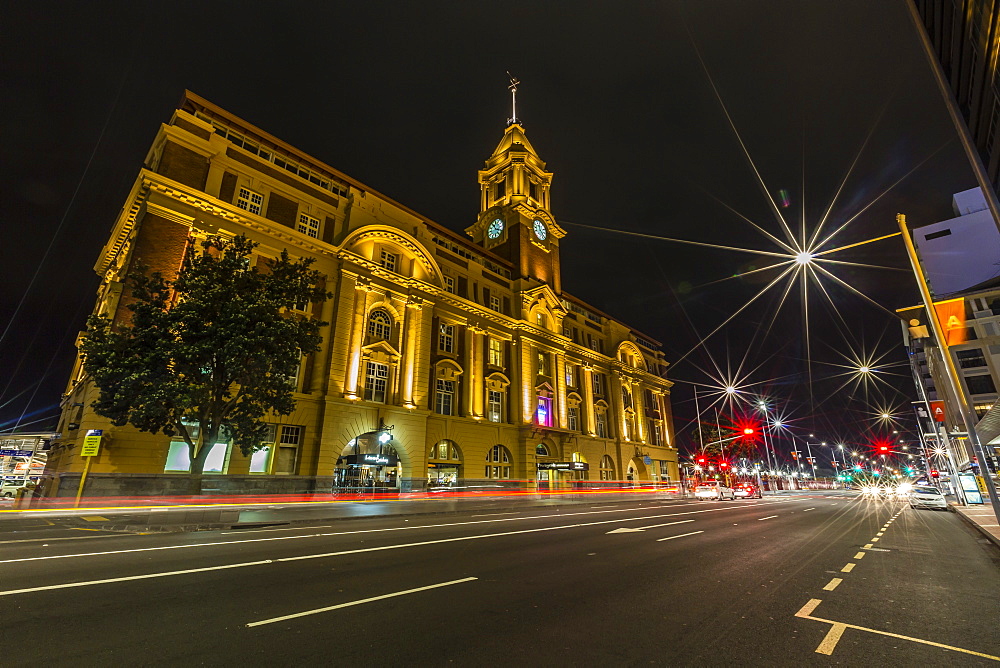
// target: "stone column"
[[640, 413], [475, 371], [357, 336], [587, 380], [412, 319], [559, 368]]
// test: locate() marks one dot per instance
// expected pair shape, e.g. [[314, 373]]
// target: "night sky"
[[411, 98]]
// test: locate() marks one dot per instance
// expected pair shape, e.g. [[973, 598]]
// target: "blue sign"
[[16, 453], [647, 460]]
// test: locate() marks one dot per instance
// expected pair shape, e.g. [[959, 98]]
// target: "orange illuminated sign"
[[937, 408], [951, 315]]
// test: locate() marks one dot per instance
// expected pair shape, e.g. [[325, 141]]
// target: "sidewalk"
[[982, 518]]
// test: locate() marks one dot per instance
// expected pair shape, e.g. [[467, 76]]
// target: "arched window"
[[380, 325], [498, 461], [541, 450], [445, 450], [607, 468]]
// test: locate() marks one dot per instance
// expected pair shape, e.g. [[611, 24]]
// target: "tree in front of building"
[[206, 355]]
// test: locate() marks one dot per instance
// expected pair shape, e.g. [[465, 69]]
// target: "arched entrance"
[[444, 465], [368, 463], [635, 472]]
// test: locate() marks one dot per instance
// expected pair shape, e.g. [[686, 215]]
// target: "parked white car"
[[8, 488], [713, 490], [925, 496]]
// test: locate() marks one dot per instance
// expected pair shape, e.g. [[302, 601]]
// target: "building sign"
[[91, 443], [370, 460], [16, 453], [563, 466], [937, 409], [951, 315], [647, 460]]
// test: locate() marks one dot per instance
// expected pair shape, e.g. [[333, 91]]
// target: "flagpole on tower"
[[513, 98]]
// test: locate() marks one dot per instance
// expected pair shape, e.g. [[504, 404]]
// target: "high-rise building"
[[448, 359]]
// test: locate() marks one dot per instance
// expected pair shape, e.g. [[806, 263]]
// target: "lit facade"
[[465, 352]]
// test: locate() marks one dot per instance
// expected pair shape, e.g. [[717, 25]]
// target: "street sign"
[[91, 443], [16, 453]]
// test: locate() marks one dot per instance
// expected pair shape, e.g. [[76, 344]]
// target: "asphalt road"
[[765, 583]]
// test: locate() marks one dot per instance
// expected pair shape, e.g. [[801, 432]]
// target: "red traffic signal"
[[883, 448], [700, 460], [748, 431], [935, 474], [723, 465]]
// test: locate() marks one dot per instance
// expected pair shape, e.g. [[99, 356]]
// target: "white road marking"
[[365, 531], [658, 540], [360, 602], [492, 514], [808, 509], [832, 584], [652, 526], [769, 517], [324, 555]]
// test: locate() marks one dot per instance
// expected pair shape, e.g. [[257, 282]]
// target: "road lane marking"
[[848, 568], [364, 531], [769, 517], [360, 602], [492, 514], [94, 518], [321, 555], [859, 555], [868, 546], [874, 540], [808, 509], [880, 533], [680, 536], [652, 526], [87, 583], [832, 638], [832, 584], [805, 612]]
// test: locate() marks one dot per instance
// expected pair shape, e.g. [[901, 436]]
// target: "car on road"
[[713, 490], [746, 490], [925, 496], [8, 488]]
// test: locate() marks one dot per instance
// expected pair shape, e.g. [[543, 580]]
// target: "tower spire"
[[513, 98]]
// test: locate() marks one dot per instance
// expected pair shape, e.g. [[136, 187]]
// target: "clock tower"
[[514, 220]]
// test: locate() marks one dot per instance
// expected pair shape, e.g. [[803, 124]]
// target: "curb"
[[971, 522]]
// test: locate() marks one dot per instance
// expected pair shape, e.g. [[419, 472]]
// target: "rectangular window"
[[178, 458], [601, 424], [494, 302], [494, 408], [449, 284], [496, 352], [500, 189], [573, 418], [980, 384], [308, 226], [568, 331], [970, 359], [288, 450], [388, 260], [446, 339], [533, 190], [251, 201], [376, 381], [570, 376], [654, 432], [543, 364], [599, 384], [543, 414], [445, 398]]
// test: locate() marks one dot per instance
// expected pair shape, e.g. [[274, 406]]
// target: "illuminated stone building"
[[463, 353]]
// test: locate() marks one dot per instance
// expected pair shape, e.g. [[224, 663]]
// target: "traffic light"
[[883, 448], [701, 461], [723, 465], [748, 431], [935, 473]]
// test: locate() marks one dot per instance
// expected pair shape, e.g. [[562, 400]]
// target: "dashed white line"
[[769, 517], [679, 536]]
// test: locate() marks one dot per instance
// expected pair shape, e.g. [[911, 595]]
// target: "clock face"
[[495, 229], [540, 230]]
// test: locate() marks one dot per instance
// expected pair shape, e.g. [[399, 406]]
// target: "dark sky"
[[411, 97]]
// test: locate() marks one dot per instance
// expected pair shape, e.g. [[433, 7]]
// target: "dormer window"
[[388, 260]]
